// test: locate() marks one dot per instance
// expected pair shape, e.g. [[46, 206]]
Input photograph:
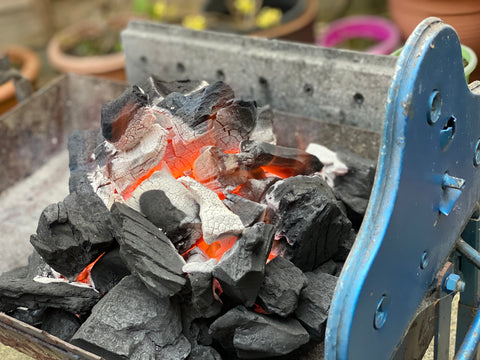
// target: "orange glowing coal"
[[84, 276]]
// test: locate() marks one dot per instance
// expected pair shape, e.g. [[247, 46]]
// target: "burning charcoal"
[[279, 160], [332, 165], [157, 207], [241, 269], [203, 299], [281, 287], [354, 187], [108, 271], [202, 352], [255, 189], [250, 212], [35, 295], [73, 233], [219, 171], [264, 126], [207, 117], [256, 336], [217, 221], [132, 323], [308, 220], [148, 253], [188, 229], [60, 323], [126, 167], [117, 114], [314, 304]]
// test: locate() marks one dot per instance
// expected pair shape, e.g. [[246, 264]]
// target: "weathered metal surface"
[[38, 344], [404, 221], [334, 85]]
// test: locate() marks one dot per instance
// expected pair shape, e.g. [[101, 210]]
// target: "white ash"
[[217, 221], [332, 165], [202, 267]]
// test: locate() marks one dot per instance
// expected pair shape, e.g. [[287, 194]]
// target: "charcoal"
[[157, 207], [241, 269], [157, 89], [73, 233], [309, 221], [188, 229], [250, 212], [132, 323], [330, 267], [332, 165], [35, 295], [117, 113], [256, 336], [355, 186], [108, 271], [20, 272], [314, 304], [38, 267], [344, 247], [255, 189], [31, 317], [148, 253], [279, 160], [60, 323], [281, 287], [219, 171], [202, 352], [203, 300], [263, 130], [218, 222]]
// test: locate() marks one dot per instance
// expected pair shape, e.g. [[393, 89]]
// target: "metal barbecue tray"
[[396, 287]]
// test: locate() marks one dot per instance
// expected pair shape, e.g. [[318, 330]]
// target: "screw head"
[[476, 155], [381, 312], [453, 282]]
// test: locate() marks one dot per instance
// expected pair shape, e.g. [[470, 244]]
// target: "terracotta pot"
[[462, 15], [109, 66], [29, 68]]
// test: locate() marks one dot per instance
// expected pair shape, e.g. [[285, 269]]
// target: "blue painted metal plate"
[[415, 213]]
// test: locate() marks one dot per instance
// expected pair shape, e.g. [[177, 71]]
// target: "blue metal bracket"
[[426, 188]]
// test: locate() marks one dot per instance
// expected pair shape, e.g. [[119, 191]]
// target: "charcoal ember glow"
[[217, 221], [315, 300], [148, 253], [309, 220], [131, 323], [279, 160], [255, 336], [241, 269], [73, 233], [281, 287]]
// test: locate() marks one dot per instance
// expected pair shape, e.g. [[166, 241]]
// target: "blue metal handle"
[[426, 188]]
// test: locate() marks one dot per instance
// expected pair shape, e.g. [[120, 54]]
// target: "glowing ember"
[[84, 276]]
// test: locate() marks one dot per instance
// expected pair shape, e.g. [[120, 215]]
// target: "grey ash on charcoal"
[[189, 233]]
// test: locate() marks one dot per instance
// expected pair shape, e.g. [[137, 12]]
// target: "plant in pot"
[[89, 47]]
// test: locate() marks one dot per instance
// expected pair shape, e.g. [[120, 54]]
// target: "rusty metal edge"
[[37, 343]]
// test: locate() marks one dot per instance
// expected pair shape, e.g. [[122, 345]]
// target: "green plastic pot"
[[467, 54]]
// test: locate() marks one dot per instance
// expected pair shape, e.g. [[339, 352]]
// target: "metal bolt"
[[424, 261], [476, 156], [454, 283], [381, 312]]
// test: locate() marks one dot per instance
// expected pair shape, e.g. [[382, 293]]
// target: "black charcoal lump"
[[108, 271], [249, 211], [314, 304], [60, 323], [256, 336], [241, 269], [148, 253], [132, 323], [73, 233], [281, 287], [309, 220]]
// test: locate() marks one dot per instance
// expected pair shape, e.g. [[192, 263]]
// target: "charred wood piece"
[[255, 336], [263, 130], [148, 253], [108, 271], [60, 323], [314, 304], [281, 287], [202, 352], [279, 160], [132, 323], [73, 233], [241, 269], [250, 212], [23, 292], [309, 221], [355, 186], [217, 221], [255, 189]]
